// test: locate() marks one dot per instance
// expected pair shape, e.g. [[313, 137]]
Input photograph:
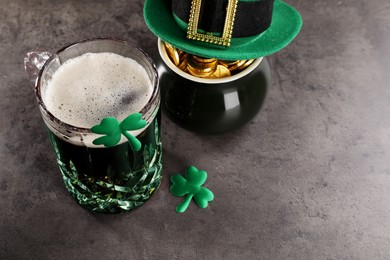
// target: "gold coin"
[[245, 65], [183, 64], [237, 65], [205, 66], [220, 72], [181, 53], [203, 60], [172, 53], [199, 73], [200, 69], [183, 56], [228, 63]]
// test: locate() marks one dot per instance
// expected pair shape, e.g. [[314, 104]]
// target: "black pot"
[[212, 106]]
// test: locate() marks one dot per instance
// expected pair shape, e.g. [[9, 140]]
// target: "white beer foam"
[[90, 87]]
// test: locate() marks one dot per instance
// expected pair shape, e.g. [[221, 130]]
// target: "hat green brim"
[[285, 25]]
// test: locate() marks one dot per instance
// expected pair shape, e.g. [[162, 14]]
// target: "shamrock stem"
[[134, 142], [184, 205]]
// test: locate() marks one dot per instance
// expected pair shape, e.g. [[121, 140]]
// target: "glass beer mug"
[[105, 179]]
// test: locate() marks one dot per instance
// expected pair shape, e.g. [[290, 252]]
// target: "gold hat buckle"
[[192, 29]]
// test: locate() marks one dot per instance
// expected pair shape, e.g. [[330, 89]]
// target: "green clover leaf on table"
[[191, 185], [112, 129]]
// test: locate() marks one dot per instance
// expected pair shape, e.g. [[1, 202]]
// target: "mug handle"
[[33, 63]]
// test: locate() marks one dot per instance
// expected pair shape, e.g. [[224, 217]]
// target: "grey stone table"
[[308, 178]]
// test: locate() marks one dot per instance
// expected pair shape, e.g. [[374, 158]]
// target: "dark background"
[[308, 178]]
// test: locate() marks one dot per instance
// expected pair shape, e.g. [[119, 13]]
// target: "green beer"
[[77, 88], [115, 179]]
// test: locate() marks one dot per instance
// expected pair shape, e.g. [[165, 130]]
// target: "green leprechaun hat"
[[224, 29]]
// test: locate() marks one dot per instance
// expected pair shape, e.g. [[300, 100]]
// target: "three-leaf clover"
[[191, 186], [112, 129]]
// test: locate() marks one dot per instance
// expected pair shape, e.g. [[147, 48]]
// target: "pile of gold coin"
[[205, 67]]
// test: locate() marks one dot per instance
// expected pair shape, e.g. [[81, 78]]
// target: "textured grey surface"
[[308, 178]]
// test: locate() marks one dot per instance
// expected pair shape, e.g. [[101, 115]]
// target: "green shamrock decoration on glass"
[[112, 129], [191, 185]]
